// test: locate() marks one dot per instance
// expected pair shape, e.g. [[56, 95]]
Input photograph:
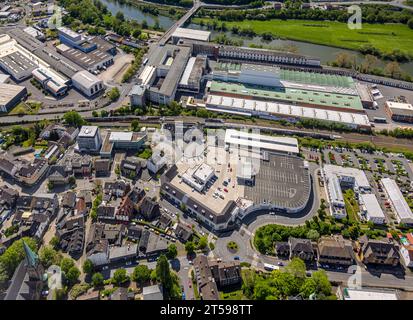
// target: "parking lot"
[[282, 181]]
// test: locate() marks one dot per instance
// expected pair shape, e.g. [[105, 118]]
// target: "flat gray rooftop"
[[18, 63], [86, 60]]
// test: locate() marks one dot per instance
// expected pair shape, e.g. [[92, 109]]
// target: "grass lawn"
[[24, 108], [352, 207], [385, 37], [233, 295]]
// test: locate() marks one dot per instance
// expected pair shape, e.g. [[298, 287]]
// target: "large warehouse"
[[87, 83], [371, 208], [399, 204], [398, 111], [10, 96], [192, 34]]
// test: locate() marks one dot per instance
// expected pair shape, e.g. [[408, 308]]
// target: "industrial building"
[[398, 111], [264, 55], [371, 209], [90, 60], [15, 60], [92, 53], [253, 55], [51, 81], [192, 34], [399, 204], [254, 141], [87, 83], [121, 140], [278, 111], [159, 80], [75, 40], [89, 139], [10, 96], [338, 178], [268, 83], [193, 73], [35, 33]]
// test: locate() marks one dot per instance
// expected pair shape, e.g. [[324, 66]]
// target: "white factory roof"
[[4, 78], [372, 206], [359, 175], [68, 32], [335, 193], [364, 294], [399, 203], [283, 144], [9, 92], [191, 34], [187, 71], [33, 32], [87, 131], [146, 74], [85, 79], [120, 136], [262, 107], [400, 108]]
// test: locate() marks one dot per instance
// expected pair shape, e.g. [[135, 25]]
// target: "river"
[[324, 53], [134, 13]]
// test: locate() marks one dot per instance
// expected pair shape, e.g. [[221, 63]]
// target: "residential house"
[[183, 232], [124, 253], [80, 165], [58, 175], [206, 285], [149, 209], [8, 198], [125, 211], [131, 167], [226, 273], [301, 248], [282, 249], [164, 221], [103, 167], [378, 252], [116, 189], [86, 195], [71, 235], [106, 213], [136, 195], [69, 200], [335, 250], [135, 232]]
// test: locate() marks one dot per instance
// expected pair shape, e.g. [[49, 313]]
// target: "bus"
[[380, 120], [270, 267]]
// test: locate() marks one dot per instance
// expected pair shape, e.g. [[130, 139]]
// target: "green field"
[[385, 37], [26, 108]]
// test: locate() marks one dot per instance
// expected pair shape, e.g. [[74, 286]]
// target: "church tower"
[[34, 268]]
